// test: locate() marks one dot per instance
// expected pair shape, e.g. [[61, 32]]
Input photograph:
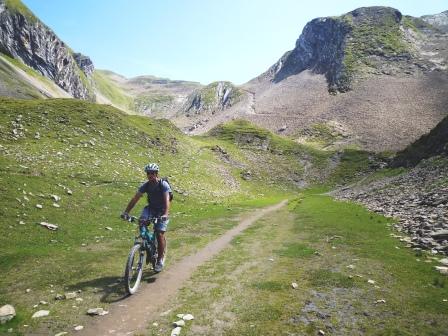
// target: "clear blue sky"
[[198, 40]]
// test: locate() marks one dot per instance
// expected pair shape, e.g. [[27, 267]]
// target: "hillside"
[[76, 164], [25, 38], [432, 144], [146, 95], [378, 75]]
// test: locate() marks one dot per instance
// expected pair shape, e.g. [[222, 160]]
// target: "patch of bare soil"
[[131, 315]]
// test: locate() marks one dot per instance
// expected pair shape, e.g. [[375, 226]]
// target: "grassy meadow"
[[76, 165]]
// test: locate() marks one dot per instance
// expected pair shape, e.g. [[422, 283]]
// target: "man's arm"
[[133, 202], [166, 200]]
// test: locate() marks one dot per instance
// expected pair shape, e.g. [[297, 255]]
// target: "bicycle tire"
[[154, 254], [133, 273]]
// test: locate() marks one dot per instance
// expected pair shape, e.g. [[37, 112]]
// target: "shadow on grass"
[[111, 289]]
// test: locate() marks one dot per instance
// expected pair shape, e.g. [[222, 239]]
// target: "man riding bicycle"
[[158, 192]]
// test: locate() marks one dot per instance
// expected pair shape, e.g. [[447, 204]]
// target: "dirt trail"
[[133, 314]]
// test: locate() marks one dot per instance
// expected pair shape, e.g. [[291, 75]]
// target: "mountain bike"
[[144, 243]]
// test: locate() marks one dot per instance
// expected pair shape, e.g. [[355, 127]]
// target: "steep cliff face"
[[26, 38], [320, 48]]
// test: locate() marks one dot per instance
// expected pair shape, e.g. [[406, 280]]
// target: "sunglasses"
[[151, 173]]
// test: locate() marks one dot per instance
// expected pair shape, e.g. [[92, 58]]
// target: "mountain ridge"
[[379, 75]]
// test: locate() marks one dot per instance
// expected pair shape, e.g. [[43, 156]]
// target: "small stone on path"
[[7, 313], [71, 295], [380, 301], [179, 323], [39, 206], [444, 261], [49, 226], [294, 285], [188, 317], [442, 269], [56, 198], [41, 313], [78, 328], [371, 281], [61, 333], [176, 331], [97, 311]]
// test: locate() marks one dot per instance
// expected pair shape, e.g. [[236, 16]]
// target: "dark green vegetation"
[[431, 144], [353, 278]]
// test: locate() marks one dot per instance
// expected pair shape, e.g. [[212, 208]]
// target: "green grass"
[[354, 164], [241, 292], [17, 6], [112, 92], [14, 86], [98, 153]]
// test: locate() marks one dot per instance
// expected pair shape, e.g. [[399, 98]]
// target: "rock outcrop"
[[214, 97], [320, 47], [439, 21], [84, 63], [25, 37]]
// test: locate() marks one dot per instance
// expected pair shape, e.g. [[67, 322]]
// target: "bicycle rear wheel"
[[134, 269]]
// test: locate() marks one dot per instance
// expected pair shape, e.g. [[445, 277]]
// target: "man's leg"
[[160, 229], [161, 241]]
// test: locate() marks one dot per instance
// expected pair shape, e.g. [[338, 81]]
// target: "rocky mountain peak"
[[26, 38], [368, 40], [376, 15]]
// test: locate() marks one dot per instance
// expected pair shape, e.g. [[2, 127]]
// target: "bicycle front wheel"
[[134, 269]]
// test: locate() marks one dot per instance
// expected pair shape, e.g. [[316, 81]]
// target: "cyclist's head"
[[152, 168]]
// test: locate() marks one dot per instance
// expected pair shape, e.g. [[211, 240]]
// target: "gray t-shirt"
[[155, 194]]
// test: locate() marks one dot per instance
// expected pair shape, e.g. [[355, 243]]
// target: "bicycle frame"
[[145, 234]]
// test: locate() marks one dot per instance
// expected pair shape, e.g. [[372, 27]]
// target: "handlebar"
[[132, 219]]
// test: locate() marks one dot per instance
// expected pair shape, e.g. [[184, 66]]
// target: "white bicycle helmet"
[[151, 167]]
